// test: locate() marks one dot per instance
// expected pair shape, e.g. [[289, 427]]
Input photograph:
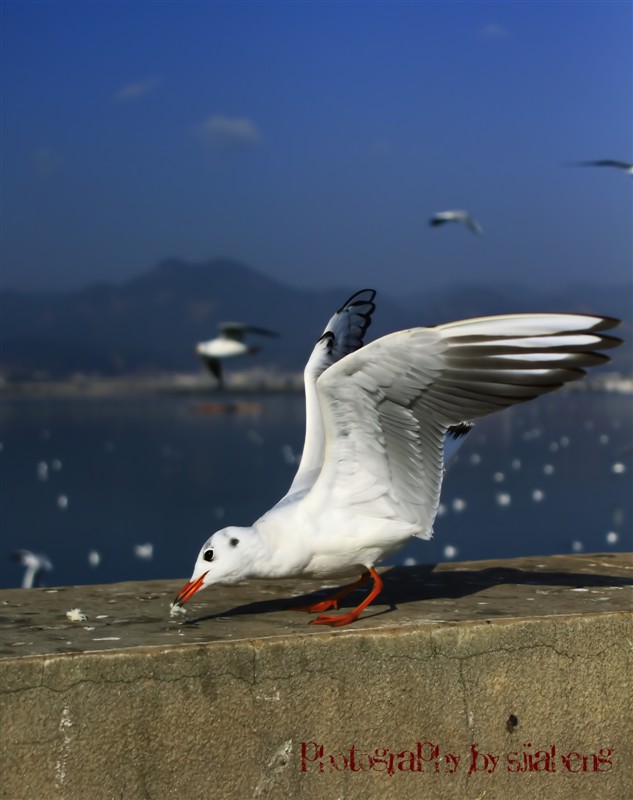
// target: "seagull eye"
[[208, 555]]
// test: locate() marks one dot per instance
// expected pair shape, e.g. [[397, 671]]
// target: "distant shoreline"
[[196, 384], [134, 386]]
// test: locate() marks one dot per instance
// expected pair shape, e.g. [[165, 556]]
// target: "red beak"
[[188, 590]]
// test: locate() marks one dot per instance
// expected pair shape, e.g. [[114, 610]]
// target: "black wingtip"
[[460, 430], [352, 300]]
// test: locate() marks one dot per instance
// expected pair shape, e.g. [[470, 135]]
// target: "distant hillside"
[[152, 323], [478, 299]]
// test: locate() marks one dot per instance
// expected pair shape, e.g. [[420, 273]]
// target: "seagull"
[[36, 566], [144, 551], [625, 166], [229, 344], [442, 217], [377, 421]]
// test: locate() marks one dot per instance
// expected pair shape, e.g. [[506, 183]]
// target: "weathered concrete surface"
[[511, 656]]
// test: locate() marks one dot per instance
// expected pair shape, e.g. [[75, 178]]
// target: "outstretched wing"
[[232, 330], [442, 217], [387, 407], [472, 224], [236, 331], [261, 331], [214, 365], [606, 162], [343, 334]]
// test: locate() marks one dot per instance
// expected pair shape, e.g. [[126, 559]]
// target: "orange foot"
[[317, 608], [336, 621], [332, 602]]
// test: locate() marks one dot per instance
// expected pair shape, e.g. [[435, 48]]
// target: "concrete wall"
[[424, 702]]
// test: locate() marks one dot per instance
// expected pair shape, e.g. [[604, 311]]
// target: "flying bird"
[[442, 217], [378, 420], [229, 344], [36, 566], [624, 166]]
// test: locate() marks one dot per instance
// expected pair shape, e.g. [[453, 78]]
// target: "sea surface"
[[128, 489]]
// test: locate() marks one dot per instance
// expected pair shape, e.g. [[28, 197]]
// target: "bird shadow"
[[403, 585]]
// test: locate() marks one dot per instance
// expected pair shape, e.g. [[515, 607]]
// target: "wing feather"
[[343, 334], [387, 407]]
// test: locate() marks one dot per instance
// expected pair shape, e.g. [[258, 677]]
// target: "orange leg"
[[344, 619], [332, 602]]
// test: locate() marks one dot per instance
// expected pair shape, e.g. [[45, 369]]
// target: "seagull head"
[[223, 559]]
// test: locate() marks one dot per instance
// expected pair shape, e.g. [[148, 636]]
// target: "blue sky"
[[313, 140]]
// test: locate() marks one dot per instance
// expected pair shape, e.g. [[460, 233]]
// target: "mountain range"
[[151, 323]]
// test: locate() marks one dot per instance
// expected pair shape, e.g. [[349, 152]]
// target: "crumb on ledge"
[[76, 615]]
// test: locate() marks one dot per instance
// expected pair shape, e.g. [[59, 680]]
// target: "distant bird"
[[144, 551], [229, 344], [36, 566], [442, 217], [625, 166]]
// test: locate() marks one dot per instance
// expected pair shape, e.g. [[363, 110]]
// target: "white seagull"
[[229, 344], [36, 566], [442, 217], [624, 166], [377, 421]]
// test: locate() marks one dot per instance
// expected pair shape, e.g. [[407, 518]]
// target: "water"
[[92, 480]]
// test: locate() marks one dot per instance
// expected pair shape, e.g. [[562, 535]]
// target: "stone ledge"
[[512, 657]]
